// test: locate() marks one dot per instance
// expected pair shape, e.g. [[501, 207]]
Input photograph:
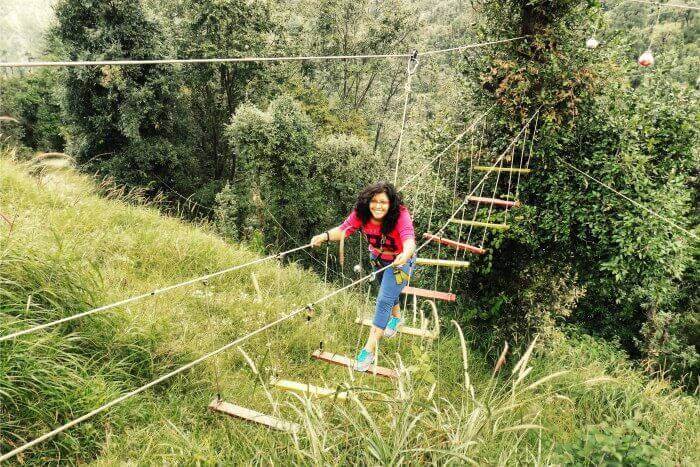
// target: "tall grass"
[[71, 249]]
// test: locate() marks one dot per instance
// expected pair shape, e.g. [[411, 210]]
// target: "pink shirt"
[[393, 243]]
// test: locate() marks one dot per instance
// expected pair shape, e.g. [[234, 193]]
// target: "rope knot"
[[309, 312], [412, 62]]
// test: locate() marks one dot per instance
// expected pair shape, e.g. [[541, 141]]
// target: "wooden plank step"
[[308, 389], [342, 360], [490, 168], [487, 225], [253, 416], [426, 293], [453, 244], [403, 329], [504, 203], [449, 263]]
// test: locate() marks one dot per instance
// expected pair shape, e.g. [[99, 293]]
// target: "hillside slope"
[[74, 245]]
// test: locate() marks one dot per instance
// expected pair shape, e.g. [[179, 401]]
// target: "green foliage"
[[212, 93], [528, 298], [347, 27], [613, 446], [344, 165], [274, 156], [545, 71], [671, 346], [364, 95], [287, 176], [123, 120], [328, 115], [642, 141], [34, 99]]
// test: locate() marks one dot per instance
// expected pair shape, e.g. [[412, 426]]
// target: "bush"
[[34, 99], [544, 297], [670, 343], [613, 445], [290, 175]]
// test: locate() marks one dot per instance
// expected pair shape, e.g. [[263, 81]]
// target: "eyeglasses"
[[379, 203]]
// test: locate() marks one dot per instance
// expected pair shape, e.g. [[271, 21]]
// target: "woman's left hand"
[[401, 259]]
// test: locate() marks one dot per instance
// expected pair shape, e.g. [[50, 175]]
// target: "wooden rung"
[[253, 416], [488, 225], [348, 362], [489, 168], [426, 293], [403, 329], [453, 244], [504, 203], [449, 263], [308, 389]]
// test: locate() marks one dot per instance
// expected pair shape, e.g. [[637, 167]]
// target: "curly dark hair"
[[395, 203]]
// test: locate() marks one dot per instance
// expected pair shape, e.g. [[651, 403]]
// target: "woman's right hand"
[[317, 240]]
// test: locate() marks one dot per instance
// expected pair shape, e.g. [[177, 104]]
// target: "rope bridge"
[[493, 185]]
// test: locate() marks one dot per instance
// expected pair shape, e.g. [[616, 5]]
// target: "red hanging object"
[[646, 59]]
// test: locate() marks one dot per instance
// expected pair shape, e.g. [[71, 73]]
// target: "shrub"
[[290, 173], [613, 445], [670, 343], [34, 99]]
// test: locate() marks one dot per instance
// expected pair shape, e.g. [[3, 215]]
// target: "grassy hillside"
[[75, 245]]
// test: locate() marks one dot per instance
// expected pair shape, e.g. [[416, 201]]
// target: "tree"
[[34, 99], [212, 29], [290, 176], [641, 141], [123, 120]]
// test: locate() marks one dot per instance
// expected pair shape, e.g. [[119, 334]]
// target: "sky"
[[22, 23]]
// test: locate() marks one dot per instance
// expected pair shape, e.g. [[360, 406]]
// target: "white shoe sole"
[[363, 367], [393, 333]]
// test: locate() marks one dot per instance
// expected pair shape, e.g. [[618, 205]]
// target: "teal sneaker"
[[392, 326], [364, 360]]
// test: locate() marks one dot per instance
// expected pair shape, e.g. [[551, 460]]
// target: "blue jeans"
[[389, 290]]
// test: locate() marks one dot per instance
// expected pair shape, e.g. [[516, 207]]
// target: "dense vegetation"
[[266, 154], [75, 244]]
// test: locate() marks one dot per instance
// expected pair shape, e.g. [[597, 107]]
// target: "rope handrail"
[[473, 46], [446, 148], [215, 352], [292, 58], [148, 294], [622, 195], [410, 71], [178, 285], [483, 179]]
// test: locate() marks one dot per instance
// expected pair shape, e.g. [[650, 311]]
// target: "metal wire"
[[295, 58], [622, 195]]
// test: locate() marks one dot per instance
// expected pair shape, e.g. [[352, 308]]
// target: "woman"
[[386, 223]]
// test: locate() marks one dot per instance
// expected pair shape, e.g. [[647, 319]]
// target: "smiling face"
[[379, 206]]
